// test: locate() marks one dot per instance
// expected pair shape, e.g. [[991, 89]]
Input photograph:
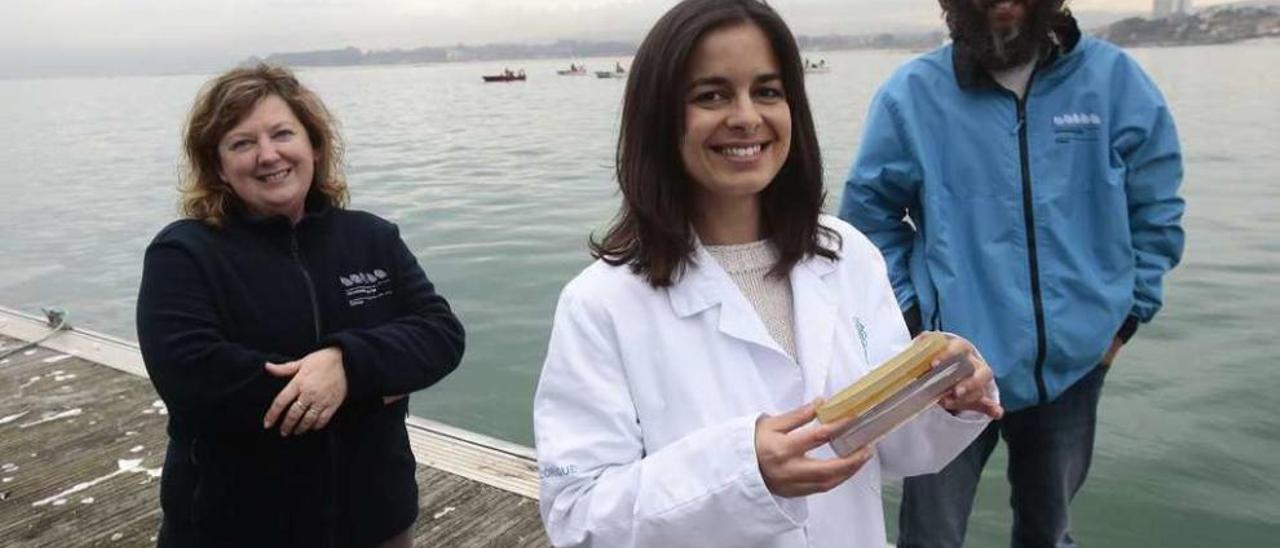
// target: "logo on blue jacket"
[[1076, 126]]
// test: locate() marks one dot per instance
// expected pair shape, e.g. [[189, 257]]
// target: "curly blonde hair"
[[227, 100]]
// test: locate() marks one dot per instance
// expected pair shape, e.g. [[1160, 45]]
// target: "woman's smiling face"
[[737, 131], [268, 161]]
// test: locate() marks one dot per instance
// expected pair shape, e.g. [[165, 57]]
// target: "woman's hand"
[[781, 447], [318, 388], [969, 394]]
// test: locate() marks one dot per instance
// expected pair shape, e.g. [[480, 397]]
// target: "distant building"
[[1165, 8]]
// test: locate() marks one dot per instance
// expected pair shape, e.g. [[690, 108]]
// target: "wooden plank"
[[459, 512], [81, 447], [65, 425]]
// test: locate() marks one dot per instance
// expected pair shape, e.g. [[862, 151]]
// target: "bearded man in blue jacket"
[[1022, 184]]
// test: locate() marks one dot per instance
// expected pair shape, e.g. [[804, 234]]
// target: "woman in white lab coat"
[[680, 380]]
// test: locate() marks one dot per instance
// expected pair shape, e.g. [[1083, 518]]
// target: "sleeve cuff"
[[360, 384], [796, 510]]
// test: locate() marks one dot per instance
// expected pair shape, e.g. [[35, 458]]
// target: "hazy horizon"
[[90, 37]]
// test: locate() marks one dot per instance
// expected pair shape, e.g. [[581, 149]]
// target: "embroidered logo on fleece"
[[861, 328], [362, 287]]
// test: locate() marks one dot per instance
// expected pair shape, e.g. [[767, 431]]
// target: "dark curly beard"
[[970, 29]]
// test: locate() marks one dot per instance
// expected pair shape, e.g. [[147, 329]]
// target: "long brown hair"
[[227, 100], [652, 232]]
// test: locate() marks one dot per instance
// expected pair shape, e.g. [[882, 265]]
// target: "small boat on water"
[[821, 67], [574, 70], [505, 76], [617, 72]]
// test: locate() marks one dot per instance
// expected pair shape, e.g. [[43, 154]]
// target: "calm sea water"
[[497, 186]]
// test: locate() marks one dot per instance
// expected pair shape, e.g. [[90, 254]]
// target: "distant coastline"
[[564, 49], [1249, 20], [1215, 25]]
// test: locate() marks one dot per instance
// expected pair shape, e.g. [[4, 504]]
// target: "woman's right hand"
[[781, 448], [317, 387]]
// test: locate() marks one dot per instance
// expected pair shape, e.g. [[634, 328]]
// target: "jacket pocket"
[[1078, 165]]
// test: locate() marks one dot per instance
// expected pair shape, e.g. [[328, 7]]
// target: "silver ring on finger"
[[301, 404], [313, 409]]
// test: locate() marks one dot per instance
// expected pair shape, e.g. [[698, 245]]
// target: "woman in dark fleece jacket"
[[283, 332]]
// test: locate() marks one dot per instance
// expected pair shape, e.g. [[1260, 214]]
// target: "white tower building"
[[1165, 8]]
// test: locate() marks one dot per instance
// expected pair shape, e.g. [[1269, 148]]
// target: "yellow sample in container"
[[885, 380]]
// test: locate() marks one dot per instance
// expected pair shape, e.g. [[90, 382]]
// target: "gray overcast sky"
[[52, 36]]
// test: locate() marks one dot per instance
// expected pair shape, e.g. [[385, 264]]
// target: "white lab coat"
[[645, 413]]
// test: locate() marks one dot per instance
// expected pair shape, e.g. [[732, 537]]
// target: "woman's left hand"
[[969, 394], [318, 388]]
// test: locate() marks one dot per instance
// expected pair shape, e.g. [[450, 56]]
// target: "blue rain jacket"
[[1038, 228]]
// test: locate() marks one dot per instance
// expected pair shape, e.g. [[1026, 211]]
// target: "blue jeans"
[[1050, 448]]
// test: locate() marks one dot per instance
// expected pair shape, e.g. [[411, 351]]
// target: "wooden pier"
[[82, 441]]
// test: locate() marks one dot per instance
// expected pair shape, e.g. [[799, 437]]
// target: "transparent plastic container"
[[901, 407]]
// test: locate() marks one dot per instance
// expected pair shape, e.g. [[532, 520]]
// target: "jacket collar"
[[315, 207], [972, 76]]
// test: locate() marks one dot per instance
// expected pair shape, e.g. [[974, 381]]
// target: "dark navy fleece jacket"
[[217, 303]]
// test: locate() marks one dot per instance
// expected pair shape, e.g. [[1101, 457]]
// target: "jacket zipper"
[[306, 277], [315, 323], [1033, 259]]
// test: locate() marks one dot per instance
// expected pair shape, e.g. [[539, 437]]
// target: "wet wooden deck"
[[82, 441]]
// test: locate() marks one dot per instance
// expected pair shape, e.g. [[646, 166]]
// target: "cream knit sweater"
[[748, 266]]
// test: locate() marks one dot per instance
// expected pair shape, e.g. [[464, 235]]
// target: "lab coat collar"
[[704, 284]]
